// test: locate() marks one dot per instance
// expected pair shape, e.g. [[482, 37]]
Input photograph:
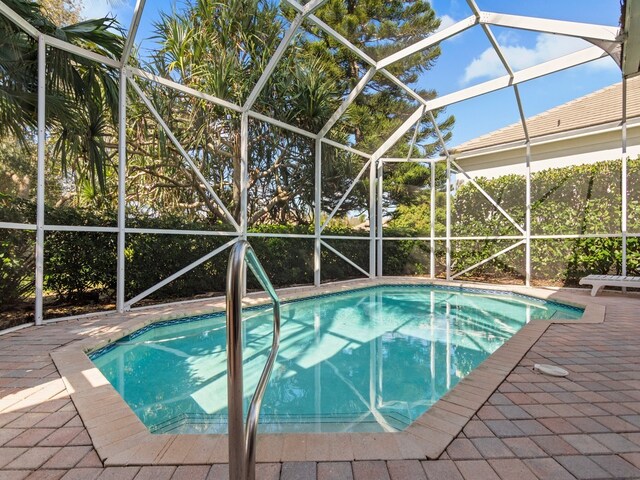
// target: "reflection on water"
[[369, 360]]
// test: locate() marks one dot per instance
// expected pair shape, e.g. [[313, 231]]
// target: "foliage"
[[378, 28], [222, 49], [17, 169], [581, 199], [405, 257], [81, 95], [81, 266], [62, 12], [17, 263]]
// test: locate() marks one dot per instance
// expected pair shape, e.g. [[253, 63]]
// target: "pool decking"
[[532, 426]]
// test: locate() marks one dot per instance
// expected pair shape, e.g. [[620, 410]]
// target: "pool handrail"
[[242, 438]]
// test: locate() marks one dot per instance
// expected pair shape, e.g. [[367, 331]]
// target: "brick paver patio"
[[585, 426]]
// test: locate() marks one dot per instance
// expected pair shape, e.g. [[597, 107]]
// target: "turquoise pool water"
[[373, 359]]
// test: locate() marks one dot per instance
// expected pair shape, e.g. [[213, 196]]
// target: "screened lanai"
[[322, 240], [192, 162]]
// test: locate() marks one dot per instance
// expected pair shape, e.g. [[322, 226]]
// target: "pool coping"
[[120, 438]]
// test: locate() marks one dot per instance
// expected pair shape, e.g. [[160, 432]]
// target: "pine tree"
[[379, 28]]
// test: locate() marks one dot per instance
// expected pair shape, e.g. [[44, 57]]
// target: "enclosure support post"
[[527, 201], [448, 344], [433, 182], [122, 175], [373, 208], [244, 173], [448, 208], [244, 183], [624, 178], [42, 90], [528, 217], [122, 155], [432, 222], [380, 225], [317, 248]]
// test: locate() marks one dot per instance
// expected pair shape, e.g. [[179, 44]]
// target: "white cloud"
[[547, 47], [102, 8], [445, 21]]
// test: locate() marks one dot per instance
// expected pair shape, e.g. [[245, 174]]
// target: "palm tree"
[[82, 95]]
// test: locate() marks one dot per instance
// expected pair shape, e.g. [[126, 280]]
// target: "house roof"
[[598, 108]]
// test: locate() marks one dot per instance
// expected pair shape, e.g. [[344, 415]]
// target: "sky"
[[468, 59]]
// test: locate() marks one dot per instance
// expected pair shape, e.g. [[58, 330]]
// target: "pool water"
[[368, 360]]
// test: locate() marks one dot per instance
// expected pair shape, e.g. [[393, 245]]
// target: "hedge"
[[81, 267], [582, 199]]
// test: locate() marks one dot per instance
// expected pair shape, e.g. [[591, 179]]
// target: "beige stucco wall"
[[560, 153]]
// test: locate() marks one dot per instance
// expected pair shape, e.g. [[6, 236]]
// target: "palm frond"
[[81, 95]]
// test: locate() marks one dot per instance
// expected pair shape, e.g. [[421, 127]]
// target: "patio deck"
[[533, 426]]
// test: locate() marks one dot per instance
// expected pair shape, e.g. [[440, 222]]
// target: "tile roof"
[[598, 108]]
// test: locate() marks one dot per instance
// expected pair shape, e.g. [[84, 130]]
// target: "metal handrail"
[[242, 439]]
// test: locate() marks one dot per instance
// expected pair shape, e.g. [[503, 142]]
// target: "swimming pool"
[[368, 360]]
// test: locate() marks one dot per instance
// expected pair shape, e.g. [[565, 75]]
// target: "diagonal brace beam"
[[179, 273], [439, 134], [395, 136], [488, 259], [492, 39], [279, 53], [347, 101], [489, 197], [362, 55], [131, 34], [273, 61], [335, 35], [346, 259], [184, 154], [18, 20], [346, 194], [431, 40], [404, 128], [414, 138], [523, 119]]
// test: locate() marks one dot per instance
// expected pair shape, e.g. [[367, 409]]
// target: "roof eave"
[[554, 137]]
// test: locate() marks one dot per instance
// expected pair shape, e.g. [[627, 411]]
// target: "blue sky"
[[468, 59]]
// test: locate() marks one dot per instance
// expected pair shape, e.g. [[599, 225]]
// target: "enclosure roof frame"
[[589, 32]]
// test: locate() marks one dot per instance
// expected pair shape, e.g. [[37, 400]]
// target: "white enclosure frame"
[[606, 40]]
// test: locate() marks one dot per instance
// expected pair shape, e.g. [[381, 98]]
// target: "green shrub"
[[581, 199], [17, 251]]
